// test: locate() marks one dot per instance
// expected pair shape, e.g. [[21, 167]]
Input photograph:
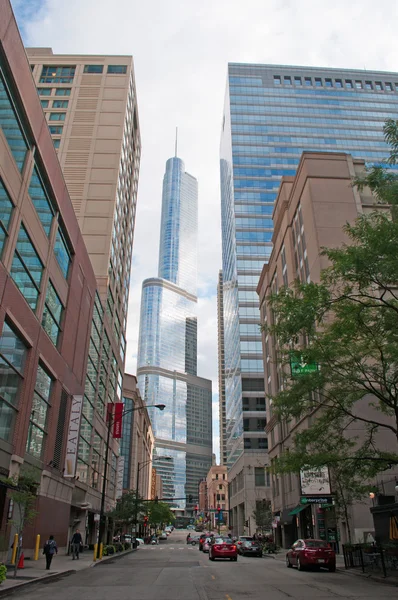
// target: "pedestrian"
[[50, 548], [188, 537], [76, 543]]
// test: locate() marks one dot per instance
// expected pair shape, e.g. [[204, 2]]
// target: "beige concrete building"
[[90, 106], [310, 212], [137, 441], [217, 493]]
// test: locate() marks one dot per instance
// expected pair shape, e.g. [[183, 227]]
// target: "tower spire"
[[176, 142]]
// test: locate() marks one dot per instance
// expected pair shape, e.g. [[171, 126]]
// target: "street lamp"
[[139, 467], [110, 422]]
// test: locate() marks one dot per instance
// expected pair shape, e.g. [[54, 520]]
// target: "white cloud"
[[181, 51]]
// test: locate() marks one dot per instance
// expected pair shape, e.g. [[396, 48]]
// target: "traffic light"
[[145, 520], [190, 498], [196, 508]]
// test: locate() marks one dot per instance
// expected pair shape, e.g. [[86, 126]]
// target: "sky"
[[181, 50]]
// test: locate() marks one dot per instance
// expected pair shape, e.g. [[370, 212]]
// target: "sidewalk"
[[34, 571]]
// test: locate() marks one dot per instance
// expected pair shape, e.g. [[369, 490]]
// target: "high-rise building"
[[47, 297], [167, 347], [90, 107], [221, 370], [272, 114]]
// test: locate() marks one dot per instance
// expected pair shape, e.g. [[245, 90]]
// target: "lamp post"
[[110, 422], [139, 467]]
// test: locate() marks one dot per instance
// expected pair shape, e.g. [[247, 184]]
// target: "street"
[[175, 571]]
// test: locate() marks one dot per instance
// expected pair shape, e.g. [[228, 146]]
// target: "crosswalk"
[[154, 547]]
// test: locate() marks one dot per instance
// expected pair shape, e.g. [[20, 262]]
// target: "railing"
[[372, 558]]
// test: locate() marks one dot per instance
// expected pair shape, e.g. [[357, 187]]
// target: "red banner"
[[117, 420]]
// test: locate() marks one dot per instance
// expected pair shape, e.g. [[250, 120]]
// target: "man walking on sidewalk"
[[76, 542]]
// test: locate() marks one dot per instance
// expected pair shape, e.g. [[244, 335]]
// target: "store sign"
[[72, 444], [316, 499], [118, 420], [120, 473], [153, 483], [315, 481]]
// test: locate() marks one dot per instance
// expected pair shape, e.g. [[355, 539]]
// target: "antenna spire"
[[176, 142]]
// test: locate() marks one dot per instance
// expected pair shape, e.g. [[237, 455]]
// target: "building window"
[[287, 80], [328, 83], [38, 417], [44, 91], [62, 92], [60, 103], [57, 143], [11, 128], [388, 86], [338, 83], [368, 85], [348, 83], [27, 269], [277, 80], [358, 84], [57, 116], [41, 201], [56, 129], [6, 208], [62, 253], [93, 68], [259, 476], [54, 74], [318, 81], [308, 80], [297, 80], [12, 361], [52, 314], [379, 86], [44, 103], [117, 69]]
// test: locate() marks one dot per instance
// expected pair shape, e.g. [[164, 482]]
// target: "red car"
[[311, 553], [223, 548]]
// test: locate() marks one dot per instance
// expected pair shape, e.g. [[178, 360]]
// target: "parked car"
[[206, 545], [140, 541], [202, 538], [311, 553], [222, 547], [193, 540], [190, 526], [163, 536], [244, 538], [252, 548]]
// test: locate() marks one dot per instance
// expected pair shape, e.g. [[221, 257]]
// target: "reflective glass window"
[[308, 80], [297, 81], [358, 84], [6, 208], [56, 129], [318, 81], [378, 86], [93, 68], [44, 103], [117, 69], [27, 268], [62, 253], [60, 103], [57, 143], [44, 91], [41, 201], [277, 80], [57, 116], [13, 352], [57, 74], [38, 417], [11, 127], [52, 314], [62, 92], [368, 85], [348, 83], [388, 86], [338, 83], [287, 80], [328, 83]]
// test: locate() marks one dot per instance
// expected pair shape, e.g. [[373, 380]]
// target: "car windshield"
[[316, 544], [221, 540], [245, 538]]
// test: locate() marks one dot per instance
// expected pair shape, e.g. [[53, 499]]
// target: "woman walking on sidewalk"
[[50, 548]]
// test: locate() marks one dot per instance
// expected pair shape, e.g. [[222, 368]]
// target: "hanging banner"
[[120, 473], [153, 483], [315, 482], [72, 443], [117, 420]]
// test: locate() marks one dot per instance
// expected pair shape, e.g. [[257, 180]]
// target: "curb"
[[112, 557], [46, 578]]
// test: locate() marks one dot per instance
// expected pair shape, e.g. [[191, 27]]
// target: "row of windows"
[[328, 82], [261, 108], [58, 91], [305, 102], [338, 131], [54, 104], [65, 74]]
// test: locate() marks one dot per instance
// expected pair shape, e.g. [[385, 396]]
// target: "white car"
[[163, 536], [139, 541]]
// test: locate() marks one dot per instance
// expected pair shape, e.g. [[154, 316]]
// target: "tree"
[[127, 509], [346, 327], [23, 490], [263, 515], [159, 513]]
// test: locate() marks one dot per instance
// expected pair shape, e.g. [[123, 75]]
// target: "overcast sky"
[[181, 49]]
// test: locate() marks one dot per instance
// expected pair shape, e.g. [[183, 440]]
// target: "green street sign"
[[299, 366]]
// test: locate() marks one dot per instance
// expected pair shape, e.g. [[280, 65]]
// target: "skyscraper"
[[272, 113], [167, 347], [221, 370], [90, 106]]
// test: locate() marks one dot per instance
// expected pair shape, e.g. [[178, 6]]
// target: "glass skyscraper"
[[167, 347], [272, 114]]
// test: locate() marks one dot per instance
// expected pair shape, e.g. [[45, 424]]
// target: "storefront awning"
[[298, 509]]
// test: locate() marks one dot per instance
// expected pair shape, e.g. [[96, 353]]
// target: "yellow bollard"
[[101, 550], [95, 551], [37, 547], [14, 549]]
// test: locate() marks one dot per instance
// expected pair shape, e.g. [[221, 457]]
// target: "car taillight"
[[218, 547], [233, 547]]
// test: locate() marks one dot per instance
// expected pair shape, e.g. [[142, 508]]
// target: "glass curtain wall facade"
[[271, 115], [167, 348]]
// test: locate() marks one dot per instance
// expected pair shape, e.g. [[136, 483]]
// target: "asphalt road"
[[175, 571]]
